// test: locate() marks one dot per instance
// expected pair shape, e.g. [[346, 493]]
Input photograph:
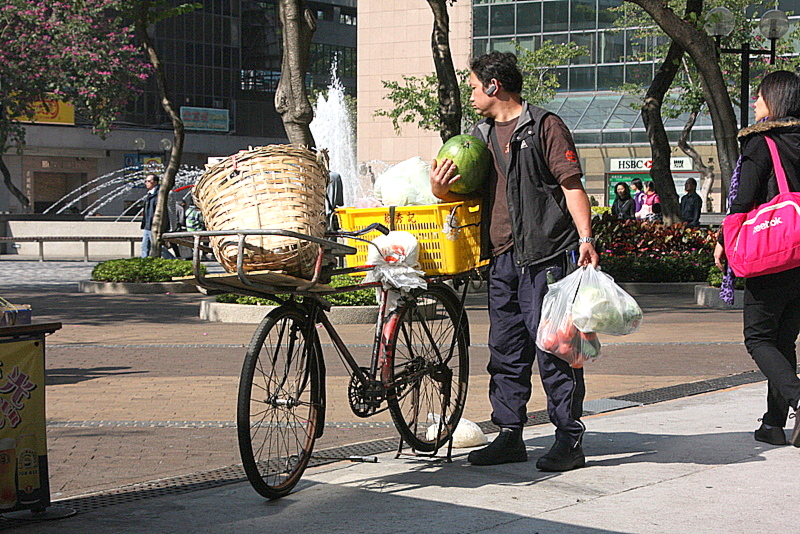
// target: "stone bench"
[[133, 240]]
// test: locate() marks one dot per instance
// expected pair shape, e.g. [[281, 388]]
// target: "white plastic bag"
[[602, 306], [467, 433], [406, 184], [557, 333], [395, 257]]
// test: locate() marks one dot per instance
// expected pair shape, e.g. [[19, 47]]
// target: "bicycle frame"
[[378, 379]]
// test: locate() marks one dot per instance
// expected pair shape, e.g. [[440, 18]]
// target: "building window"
[[480, 21], [583, 14], [581, 79], [502, 20], [529, 17], [556, 16]]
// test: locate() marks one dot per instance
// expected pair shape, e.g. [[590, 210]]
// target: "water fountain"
[[113, 188], [333, 130]]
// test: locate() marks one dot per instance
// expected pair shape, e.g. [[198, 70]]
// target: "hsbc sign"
[[645, 164]]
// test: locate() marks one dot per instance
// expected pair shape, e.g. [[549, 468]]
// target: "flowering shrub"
[[79, 52], [715, 278], [359, 297], [141, 270], [637, 251], [600, 210]]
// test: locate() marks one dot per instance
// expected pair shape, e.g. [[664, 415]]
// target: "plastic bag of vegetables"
[[407, 183], [602, 306], [557, 333]]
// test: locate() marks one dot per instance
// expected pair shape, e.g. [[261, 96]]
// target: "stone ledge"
[[708, 296], [636, 289], [250, 314], [129, 288]]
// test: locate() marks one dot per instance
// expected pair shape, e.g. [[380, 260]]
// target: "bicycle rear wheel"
[[280, 402], [426, 366]]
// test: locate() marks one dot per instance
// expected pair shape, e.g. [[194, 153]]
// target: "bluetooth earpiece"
[[491, 90]]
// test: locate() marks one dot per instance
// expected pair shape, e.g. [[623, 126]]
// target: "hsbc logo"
[[766, 224]]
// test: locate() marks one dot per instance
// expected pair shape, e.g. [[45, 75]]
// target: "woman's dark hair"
[[626, 191], [498, 65], [638, 183], [651, 186], [781, 93]]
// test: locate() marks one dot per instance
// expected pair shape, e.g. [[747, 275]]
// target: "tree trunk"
[[449, 92], [706, 171], [170, 168], [700, 48], [291, 98], [659, 143], [19, 195]]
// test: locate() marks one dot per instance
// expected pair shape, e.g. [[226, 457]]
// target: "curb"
[[249, 314], [709, 297], [637, 289], [131, 288]]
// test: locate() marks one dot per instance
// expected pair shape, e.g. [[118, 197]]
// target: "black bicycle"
[[419, 364]]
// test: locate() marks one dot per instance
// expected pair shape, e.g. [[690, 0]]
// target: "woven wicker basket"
[[271, 187]]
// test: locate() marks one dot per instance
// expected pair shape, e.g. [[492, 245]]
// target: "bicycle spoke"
[[279, 403], [429, 369]]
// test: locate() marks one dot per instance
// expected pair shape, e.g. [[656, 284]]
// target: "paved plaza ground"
[[140, 389]]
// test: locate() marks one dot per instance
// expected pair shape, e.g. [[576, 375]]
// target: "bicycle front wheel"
[[280, 402], [426, 366]]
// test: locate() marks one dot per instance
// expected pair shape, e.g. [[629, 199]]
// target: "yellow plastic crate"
[[440, 253]]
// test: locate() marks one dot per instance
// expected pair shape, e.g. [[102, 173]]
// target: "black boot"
[[773, 435], [506, 448], [794, 439], [562, 457]]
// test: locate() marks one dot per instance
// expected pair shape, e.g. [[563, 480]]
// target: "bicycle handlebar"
[[355, 233]]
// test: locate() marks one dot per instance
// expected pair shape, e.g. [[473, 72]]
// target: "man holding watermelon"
[[536, 213]]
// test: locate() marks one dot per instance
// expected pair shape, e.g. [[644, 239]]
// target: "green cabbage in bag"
[[602, 306]]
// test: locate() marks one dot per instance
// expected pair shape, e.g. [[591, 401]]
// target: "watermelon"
[[472, 159]]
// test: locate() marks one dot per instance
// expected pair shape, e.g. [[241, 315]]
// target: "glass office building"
[[587, 100], [227, 56]]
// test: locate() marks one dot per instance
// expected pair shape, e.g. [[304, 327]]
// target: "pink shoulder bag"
[[766, 239]]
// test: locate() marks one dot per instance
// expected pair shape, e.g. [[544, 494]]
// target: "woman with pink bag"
[[771, 301]]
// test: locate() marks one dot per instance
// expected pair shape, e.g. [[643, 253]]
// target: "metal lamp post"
[[139, 145], [166, 146], [773, 25]]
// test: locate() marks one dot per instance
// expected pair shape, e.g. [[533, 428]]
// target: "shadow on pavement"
[[74, 375], [101, 310]]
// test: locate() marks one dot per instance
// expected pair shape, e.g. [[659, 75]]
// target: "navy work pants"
[[515, 305]]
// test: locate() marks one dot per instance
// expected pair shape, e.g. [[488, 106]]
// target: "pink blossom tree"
[[78, 51]]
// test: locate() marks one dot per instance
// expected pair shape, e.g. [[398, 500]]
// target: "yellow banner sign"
[[51, 111], [23, 443]]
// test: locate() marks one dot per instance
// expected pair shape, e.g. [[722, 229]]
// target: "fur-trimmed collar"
[[761, 127]]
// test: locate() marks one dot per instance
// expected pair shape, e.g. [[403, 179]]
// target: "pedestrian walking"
[[150, 202], [772, 301]]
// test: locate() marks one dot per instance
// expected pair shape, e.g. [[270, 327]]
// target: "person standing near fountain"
[[150, 202], [536, 213]]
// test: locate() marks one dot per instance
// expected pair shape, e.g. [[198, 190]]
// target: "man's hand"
[[588, 255], [443, 176]]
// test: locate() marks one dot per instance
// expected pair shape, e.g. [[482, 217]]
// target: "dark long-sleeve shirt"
[[691, 206], [624, 209]]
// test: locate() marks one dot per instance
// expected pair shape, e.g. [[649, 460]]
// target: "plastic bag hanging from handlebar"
[[395, 257]]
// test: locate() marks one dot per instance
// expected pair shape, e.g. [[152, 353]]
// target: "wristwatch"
[[589, 240]]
